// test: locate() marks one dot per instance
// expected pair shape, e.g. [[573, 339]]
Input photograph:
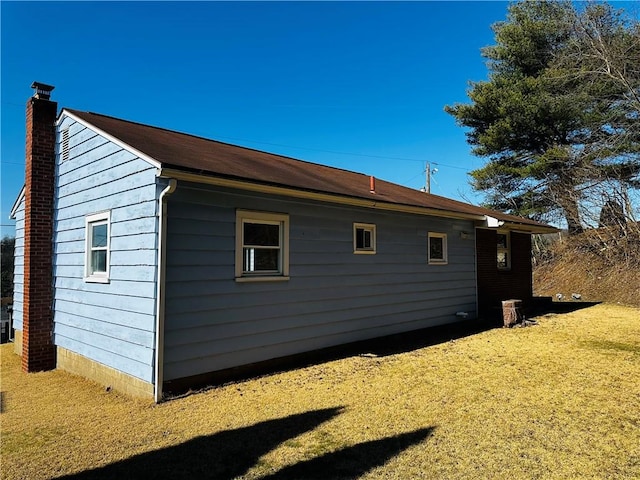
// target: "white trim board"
[[153, 162]]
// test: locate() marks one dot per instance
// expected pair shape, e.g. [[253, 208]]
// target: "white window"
[[364, 238], [504, 250], [97, 236], [262, 246], [437, 248]]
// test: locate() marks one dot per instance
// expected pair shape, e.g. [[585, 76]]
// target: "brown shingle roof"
[[212, 158]]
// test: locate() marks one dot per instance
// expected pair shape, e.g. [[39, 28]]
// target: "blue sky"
[[360, 86]]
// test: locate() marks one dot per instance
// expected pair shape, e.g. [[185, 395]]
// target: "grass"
[[556, 400]]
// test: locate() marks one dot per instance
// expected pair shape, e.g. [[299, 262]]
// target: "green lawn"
[[556, 400]]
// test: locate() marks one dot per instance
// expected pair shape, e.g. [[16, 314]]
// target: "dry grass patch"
[[598, 264], [557, 400]]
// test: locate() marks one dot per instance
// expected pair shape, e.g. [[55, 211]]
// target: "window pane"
[[363, 238], [99, 261], [261, 234], [359, 238], [503, 261], [99, 235], [502, 240], [261, 260], [436, 248]]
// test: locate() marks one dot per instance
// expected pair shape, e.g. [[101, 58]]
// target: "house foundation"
[[17, 342], [112, 379]]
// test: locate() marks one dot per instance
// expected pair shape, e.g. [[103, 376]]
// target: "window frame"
[[91, 221], [506, 249], [445, 250], [268, 218], [366, 227]]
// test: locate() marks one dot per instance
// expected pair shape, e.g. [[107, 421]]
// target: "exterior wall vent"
[[65, 145]]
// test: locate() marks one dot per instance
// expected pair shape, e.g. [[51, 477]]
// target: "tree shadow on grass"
[[230, 454], [561, 307], [224, 455], [426, 337], [352, 462]]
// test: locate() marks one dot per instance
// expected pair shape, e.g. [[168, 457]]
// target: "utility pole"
[[428, 171]]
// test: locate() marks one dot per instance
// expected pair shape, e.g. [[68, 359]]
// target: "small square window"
[[97, 233], [262, 244], [437, 248], [364, 238]]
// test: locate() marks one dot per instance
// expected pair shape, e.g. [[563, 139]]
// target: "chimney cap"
[[43, 90]]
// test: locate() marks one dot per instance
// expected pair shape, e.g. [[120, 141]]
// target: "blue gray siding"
[[111, 323], [18, 272], [332, 297]]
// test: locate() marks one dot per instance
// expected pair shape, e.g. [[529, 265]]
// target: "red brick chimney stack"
[[38, 351]]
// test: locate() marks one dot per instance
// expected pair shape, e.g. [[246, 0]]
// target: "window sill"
[[364, 252], [438, 263], [96, 280], [262, 279]]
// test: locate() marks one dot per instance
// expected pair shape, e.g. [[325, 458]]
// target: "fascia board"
[[517, 227], [153, 162], [532, 229], [309, 195], [16, 204]]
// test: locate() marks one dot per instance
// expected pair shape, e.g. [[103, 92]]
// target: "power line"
[[12, 104], [335, 152], [321, 150], [383, 157]]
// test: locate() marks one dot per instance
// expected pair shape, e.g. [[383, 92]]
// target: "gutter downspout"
[[160, 293], [475, 270]]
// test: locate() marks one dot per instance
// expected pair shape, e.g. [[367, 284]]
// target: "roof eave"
[[493, 223], [531, 229], [312, 195]]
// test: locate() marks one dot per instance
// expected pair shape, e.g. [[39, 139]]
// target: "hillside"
[[597, 265]]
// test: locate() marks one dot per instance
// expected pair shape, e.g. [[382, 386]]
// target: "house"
[[147, 258]]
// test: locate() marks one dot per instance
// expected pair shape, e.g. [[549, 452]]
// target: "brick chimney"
[[38, 351]]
